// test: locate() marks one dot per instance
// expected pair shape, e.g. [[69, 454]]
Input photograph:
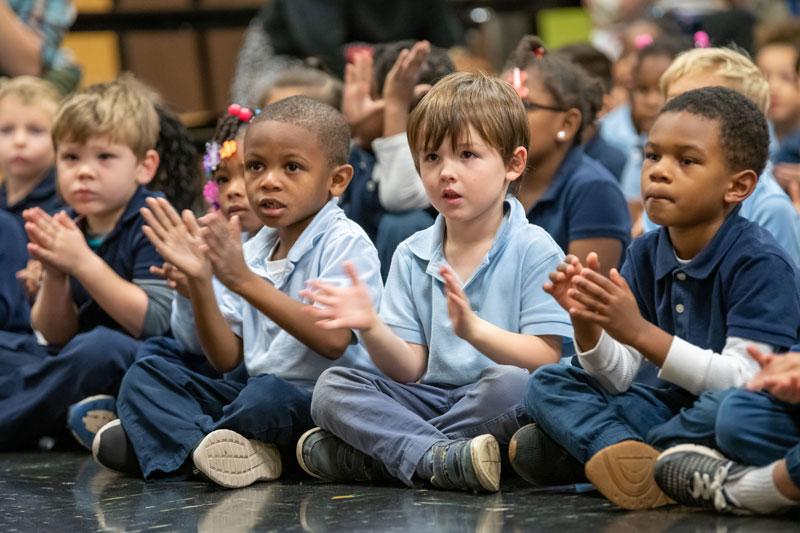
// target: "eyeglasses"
[[533, 105]]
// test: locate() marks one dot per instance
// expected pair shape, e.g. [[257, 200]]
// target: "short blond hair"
[[30, 91], [121, 111], [464, 99], [735, 66]]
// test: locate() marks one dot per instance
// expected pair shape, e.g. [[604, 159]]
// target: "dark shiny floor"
[[66, 491]]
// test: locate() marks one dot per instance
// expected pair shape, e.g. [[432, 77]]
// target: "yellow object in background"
[[96, 52], [560, 26]]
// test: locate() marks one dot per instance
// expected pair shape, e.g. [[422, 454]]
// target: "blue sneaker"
[[85, 418]]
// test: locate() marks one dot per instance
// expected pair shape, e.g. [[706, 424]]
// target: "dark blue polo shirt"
[[607, 155], [127, 251], [789, 151], [44, 195], [360, 200], [583, 202], [15, 313], [742, 284]]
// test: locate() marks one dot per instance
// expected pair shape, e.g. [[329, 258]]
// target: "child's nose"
[[270, 180], [236, 188]]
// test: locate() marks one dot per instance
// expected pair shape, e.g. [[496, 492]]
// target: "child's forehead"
[[16, 105], [95, 142], [270, 135], [676, 127]]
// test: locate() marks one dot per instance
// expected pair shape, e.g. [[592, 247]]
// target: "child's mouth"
[[271, 207]]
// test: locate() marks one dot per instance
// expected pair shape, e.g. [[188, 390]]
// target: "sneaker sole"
[[299, 452], [232, 461], [623, 473], [97, 436], [696, 448], [485, 454], [103, 416]]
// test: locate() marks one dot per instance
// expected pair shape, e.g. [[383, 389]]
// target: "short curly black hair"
[[743, 130]]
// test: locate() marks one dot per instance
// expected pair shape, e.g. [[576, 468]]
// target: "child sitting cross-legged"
[[173, 419], [689, 300], [463, 318]]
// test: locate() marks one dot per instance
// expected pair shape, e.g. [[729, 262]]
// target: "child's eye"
[[6, 130], [466, 154], [651, 156], [36, 130], [293, 167], [221, 179], [432, 157], [105, 156], [686, 161], [67, 156], [254, 166]]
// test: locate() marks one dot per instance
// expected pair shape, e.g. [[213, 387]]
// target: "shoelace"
[[703, 487]]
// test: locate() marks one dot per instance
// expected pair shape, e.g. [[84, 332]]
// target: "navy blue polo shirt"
[[15, 312], [742, 284], [44, 195], [360, 200], [789, 151], [583, 201], [127, 251], [607, 155]]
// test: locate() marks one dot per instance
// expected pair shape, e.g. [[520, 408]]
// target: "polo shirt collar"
[[136, 202], [701, 266], [430, 247], [571, 161], [263, 242], [44, 190]]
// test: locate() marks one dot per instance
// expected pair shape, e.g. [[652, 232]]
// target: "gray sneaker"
[[465, 464], [325, 456]]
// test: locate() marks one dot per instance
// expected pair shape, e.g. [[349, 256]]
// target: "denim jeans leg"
[[696, 424]]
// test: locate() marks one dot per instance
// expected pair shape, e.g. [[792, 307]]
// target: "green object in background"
[[560, 26]]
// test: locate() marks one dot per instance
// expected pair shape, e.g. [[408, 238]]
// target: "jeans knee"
[[541, 385], [502, 387], [731, 429]]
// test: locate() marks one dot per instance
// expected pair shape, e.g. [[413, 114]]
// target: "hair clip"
[[211, 193], [701, 40], [538, 52], [211, 158], [227, 150], [517, 79], [243, 113], [642, 40]]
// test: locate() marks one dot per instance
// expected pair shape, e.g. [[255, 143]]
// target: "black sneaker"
[[466, 464], [695, 475], [112, 449], [325, 456], [539, 460]]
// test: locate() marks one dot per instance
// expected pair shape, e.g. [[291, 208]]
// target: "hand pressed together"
[[177, 239], [57, 242], [780, 375], [462, 317], [344, 307]]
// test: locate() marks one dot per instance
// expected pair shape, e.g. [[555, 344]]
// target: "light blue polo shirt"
[[505, 289], [329, 240], [769, 207]]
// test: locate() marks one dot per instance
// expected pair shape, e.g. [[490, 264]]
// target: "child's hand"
[[608, 303], [31, 277], [561, 282], [345, 307], [401, 81], [357, 102], [56, 241], [177, 240], [176, 280], [222, 246], [462, 317], [780, 375]]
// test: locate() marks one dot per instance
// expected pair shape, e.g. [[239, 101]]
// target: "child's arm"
[[358, 107], [779, 375], [351, 308], [222, 246], [501, 346], [400, 85]]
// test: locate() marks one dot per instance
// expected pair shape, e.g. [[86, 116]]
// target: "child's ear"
[[147, 167], [517, 163], [340, 178], [741, 186], [570, 125]]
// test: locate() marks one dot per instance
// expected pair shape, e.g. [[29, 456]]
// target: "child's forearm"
[[587, 334], [398, 359], [395, 116], [652, 342], [222, 347], [54, 314], [288, 313], [20, 44], [121, 299], [507, 348]]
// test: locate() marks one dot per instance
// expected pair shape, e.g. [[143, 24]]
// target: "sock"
[[755, 491]]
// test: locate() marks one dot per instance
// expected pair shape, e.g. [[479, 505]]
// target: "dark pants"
[[167, 409], [169, 348], [395, 227], [755, 428], [577, 412], [36, 388]]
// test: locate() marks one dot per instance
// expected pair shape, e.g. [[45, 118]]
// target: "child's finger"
[[593, 261], [761, 358], [169, 211], [158, 271], [587, 301], [598, 279], [618, 280], [191, 222], [155, 239], [590, 288], [350, 270]]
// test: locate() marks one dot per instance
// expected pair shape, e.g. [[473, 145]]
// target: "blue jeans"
[[576, 411], [755, 428], [397, 423], [169, 348], [36, 388], [167, 409]]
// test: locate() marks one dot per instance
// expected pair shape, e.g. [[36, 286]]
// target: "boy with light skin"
[[455, 354], [173, 418], [97, 294], [768, 206], [691, 298]]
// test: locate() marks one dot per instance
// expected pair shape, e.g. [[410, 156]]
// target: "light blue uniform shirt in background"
[[329, 240], [770, 208], [505, 289], [618, 130]]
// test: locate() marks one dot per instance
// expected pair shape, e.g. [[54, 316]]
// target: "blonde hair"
[[734, 66], [462, 99], [121, 111], [30, 90]]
